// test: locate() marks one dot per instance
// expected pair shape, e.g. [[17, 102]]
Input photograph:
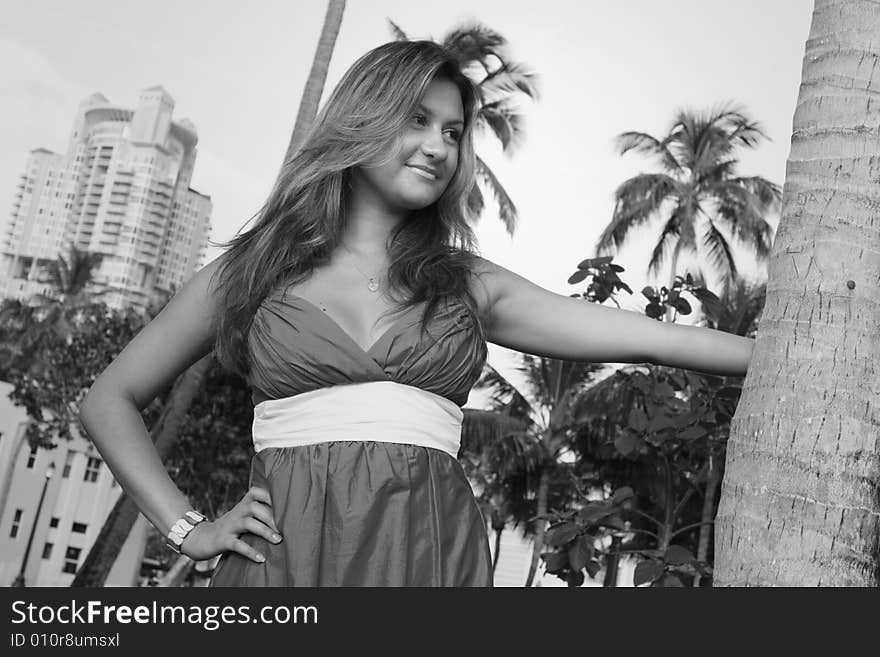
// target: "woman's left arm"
[[526, 317]]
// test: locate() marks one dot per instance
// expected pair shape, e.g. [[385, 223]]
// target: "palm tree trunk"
[[707, 515], [118, 524], [308, 105], [538, 545], [799, 503], [497, 549], [612, 564]]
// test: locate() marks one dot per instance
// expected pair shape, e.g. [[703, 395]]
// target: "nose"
[[433, 145]]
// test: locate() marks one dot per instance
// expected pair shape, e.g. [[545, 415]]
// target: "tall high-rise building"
[[122, 189]]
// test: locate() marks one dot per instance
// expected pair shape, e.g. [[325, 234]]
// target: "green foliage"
[[64, 366]]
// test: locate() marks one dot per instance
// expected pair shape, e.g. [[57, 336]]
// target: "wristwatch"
[[181, 528]]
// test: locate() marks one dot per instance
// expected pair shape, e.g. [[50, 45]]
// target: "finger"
[[260, 494], [242, 548], [264, 514], [254, 526]]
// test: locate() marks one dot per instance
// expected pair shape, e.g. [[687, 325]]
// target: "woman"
[[358, 397]]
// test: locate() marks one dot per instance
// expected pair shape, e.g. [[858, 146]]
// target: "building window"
[[16, 521], [92, 469], [53, 522], [71, 559], [78, 528], [47, 550], [32, 457], [68, 461]]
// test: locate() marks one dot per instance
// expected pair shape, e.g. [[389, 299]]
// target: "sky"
[[237, 71]]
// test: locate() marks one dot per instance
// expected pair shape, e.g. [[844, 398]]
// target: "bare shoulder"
[[483, 284], [492, 282]]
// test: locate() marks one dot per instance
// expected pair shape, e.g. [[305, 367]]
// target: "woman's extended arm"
[[528, 318], [176, 338]]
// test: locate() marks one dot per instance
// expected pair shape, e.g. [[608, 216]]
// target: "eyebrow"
[[430, 113]]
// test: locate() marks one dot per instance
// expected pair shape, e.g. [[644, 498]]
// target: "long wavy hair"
[[432, 252]]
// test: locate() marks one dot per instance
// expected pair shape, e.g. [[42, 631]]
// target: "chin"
[[417, 201]]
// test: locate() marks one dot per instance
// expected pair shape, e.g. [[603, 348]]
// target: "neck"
[[369, 221]]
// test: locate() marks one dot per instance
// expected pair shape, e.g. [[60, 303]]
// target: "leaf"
[[623, 494], [692, 433], [617, 268], [637, 419], [627, 442], [575, 578], [654, 310], [669, 580], [593, 567], [677, 555], [555, 561], [614, 522], [562, 534], [649, 292], [595, 262], [594, 511], [660, 422], [647, 571], [681, 305], [664, 390], [579, 553], [578, 276]]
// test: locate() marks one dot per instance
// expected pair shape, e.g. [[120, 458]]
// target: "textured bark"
[[800, 500], [308, 105]]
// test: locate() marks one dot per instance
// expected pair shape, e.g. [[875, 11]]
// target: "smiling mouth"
[[424, 173]]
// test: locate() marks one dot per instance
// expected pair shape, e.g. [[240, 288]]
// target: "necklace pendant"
[[372, 285]]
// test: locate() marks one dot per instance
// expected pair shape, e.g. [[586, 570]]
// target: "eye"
[[454, 134], [420, 119]]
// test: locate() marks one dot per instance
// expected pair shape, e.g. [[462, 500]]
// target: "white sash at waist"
[[384, 411]]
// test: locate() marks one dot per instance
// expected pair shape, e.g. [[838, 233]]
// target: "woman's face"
[[423, 167]]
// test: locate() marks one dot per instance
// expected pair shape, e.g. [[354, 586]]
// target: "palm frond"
[[396, 31], [637, 201], [718, 250], [509, 78], [642, 142], [475, 43], [667, 238], [504, 396], [740, 308], [742, 210], [505, 122], [506, 208]]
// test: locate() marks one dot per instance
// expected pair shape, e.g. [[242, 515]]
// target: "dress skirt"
[[364, 513]]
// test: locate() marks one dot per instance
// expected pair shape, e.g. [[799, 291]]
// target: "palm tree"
[[311, 98], [69, 278], [501, 83], [799, 503], [741, 308], [545, 426], [116, 528], [698, 182]]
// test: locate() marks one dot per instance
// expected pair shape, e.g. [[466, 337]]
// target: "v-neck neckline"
[[368, 351]]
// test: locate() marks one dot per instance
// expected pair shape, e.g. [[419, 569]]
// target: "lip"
[[425, 172]]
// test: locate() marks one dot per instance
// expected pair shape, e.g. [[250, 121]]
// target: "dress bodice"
[[296, 347]]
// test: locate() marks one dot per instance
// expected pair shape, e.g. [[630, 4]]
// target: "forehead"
[[443, 98]]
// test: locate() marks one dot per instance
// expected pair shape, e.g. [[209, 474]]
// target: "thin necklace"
[[372, 284]]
